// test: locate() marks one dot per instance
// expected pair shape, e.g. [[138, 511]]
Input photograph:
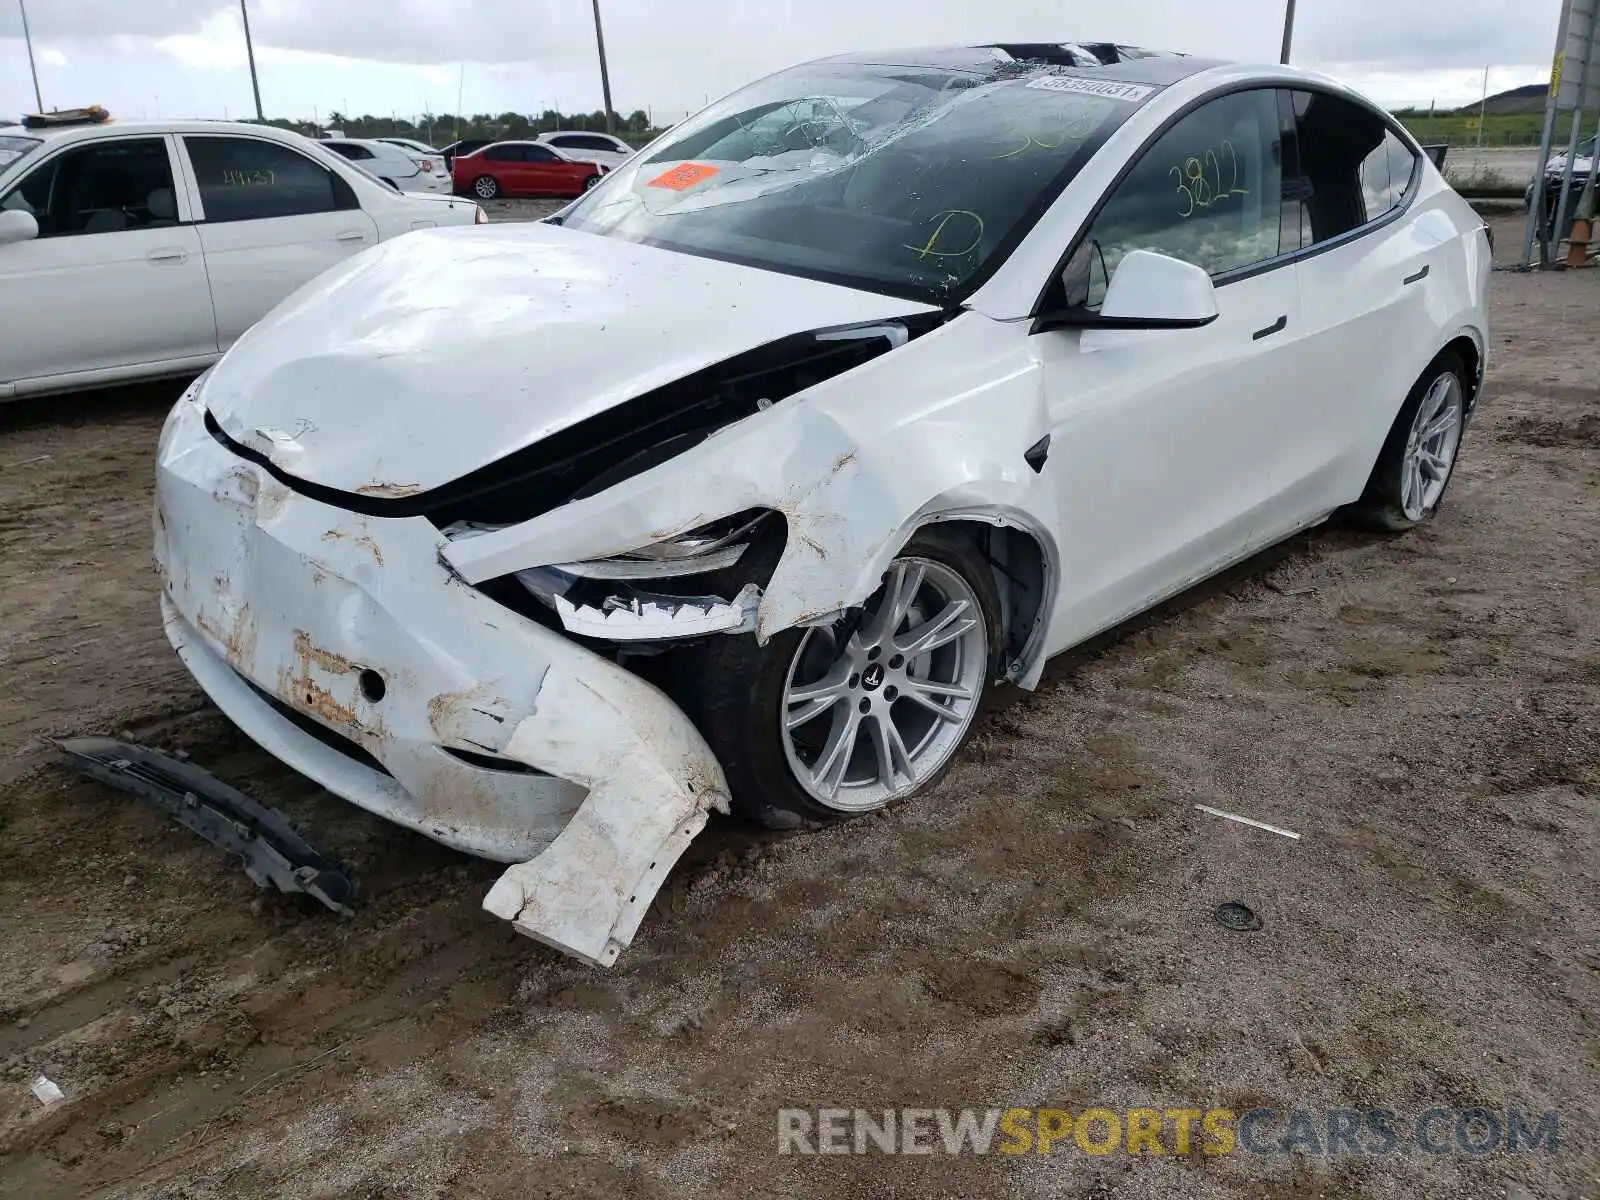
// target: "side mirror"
[[1147, 291], [17, 226]]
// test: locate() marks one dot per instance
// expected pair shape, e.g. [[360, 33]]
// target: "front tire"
[[486, 187], [831, 722], [1419, 456], [592, 182]]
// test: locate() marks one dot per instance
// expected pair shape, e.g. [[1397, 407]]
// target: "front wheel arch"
[[1026, 571]]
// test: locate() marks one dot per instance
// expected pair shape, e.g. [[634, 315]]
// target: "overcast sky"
[[186, 57]]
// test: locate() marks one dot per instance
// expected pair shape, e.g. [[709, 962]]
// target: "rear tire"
[[591, 182], [1419, 456], [771, 713], [486, 187]]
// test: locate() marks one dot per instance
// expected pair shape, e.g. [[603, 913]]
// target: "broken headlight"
[[711, 547], [636, 597]]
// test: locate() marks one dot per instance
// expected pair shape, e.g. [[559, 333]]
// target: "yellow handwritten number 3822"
[[1200, 180]]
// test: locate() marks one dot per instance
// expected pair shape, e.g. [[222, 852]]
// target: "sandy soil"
[[1037, 931]]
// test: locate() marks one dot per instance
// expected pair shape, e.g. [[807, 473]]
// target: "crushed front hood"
[[447, 349]]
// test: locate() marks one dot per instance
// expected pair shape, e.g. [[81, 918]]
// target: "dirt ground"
[[1038, 931]]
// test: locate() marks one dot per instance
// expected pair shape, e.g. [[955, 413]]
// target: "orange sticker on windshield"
[[683, 177]]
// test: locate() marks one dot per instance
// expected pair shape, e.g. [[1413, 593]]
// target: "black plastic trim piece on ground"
[[274, 855]]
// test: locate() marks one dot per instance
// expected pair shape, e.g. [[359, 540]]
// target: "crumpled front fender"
[[855, 465]]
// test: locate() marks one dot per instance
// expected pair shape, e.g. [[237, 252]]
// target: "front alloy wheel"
[[831, 721], [868, 715], [487, 187]]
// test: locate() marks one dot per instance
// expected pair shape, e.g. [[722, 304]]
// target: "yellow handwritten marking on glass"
[[1075, 130], [929, 250], [248, 178], [1028, 143], [1196, 190]]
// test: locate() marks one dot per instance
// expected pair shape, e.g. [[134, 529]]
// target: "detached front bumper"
[[341, 645]]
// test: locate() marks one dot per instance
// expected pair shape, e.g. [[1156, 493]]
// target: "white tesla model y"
[[741, 480]]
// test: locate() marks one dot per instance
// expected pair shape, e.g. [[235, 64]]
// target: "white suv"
[[138, 250]]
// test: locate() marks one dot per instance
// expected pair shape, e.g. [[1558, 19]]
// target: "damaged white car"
[[745, 477]]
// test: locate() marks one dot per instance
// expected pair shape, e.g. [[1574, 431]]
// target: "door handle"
[[1417, 278], [352, 235], [167, 254], [1277, 326]]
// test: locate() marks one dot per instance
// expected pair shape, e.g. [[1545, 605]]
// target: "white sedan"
[[412, 145], [400, 167], [601, 148], [744, 479], [138, 250]]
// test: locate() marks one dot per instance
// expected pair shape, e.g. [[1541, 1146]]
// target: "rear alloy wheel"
[[832, 721], [591, 182], [1409, 480], [486, 187]]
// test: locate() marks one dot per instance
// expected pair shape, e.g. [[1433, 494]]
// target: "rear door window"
[[585, 142], [242, 179], [1349, 167]]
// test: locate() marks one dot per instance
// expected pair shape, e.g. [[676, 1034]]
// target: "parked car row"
[[573, 144], [524, 169], [200, 228], [564, 163], [137, 250], [409, 169]]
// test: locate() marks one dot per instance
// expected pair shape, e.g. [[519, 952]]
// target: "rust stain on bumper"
[[299, 687]]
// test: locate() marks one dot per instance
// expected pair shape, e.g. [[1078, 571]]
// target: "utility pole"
[[461, 88], [1288, 31], [605, 76], [1483, 106], [1562, 217], [1551, 110], [250, 53], [28, 40]]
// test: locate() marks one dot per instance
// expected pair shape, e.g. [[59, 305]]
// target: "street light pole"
[[1288, 31], [250, 53], [28, 40], [605, 77]]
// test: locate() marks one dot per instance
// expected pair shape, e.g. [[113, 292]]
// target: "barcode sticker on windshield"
[[1109, 88]]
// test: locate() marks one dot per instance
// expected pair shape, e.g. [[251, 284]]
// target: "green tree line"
[[440, 129]]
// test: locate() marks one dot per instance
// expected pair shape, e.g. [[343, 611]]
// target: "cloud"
[[52, 58], [528, 54]]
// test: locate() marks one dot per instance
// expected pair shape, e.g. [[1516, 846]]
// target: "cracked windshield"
[[907, 181]]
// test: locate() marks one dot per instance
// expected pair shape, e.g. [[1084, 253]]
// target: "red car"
[[522, 169]]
